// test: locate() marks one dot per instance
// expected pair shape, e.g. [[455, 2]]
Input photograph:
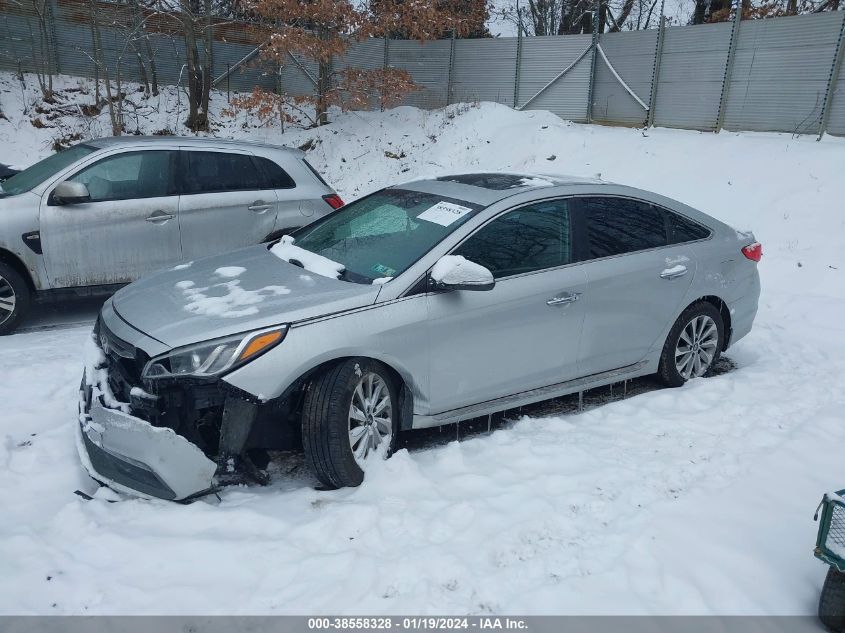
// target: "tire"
[[328, 423], [692, 359], [15, 299], [832, 601]]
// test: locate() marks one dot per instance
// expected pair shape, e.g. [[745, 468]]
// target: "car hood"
[[232, 293]]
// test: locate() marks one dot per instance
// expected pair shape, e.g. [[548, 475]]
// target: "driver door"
[[129, 226], [523, 334]]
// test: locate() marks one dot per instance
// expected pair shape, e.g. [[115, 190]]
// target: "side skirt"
[[530, 397]]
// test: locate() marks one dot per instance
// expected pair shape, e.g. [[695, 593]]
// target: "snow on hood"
[[227, 294]]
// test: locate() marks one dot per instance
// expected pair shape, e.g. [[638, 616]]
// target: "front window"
[[34, 175], [128, 176], [531, 238], [383, 234]]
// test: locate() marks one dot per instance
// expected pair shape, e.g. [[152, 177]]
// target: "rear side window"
[[274, 175], [682, 229], [207, 172], [620, 225], [531, 238]]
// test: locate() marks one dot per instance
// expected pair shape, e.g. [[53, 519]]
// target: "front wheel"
[[693, 345], [14, 298], [349, 416], [832, 601]]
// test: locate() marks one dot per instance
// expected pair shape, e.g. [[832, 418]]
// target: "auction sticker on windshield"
[[444, 213]]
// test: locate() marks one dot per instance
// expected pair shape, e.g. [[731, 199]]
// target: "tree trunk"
[[196, 119], [92, 21], [623, 16], [208, 61], [324, 84]]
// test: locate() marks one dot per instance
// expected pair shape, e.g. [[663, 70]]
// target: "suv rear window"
[[208, 172], [274, 176]]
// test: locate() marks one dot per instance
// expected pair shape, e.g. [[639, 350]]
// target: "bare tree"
[[42, 44]]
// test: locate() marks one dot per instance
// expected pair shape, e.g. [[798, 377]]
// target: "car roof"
[[486, 188], [188, 141]]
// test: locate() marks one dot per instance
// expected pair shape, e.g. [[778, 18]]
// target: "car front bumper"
[[131, 455]]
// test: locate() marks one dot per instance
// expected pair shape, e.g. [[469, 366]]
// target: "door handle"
[[674, 272], [160, 217], [563, 298], [259, 206]]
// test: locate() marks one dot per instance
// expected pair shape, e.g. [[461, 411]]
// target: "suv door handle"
[[563, 298], [160, 217], [674, 272], [259, 206]]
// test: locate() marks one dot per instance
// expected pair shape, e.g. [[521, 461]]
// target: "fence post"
[[655, 75], [53, 44], [517, 71], [835, 70], [594, 59], [726, 80], [386, 63], [451, 68]]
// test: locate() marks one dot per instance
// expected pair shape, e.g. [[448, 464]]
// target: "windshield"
[[39, 172], [380, 236]]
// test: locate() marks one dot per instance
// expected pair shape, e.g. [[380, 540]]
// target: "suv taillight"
[[333, 201], [753, 251]]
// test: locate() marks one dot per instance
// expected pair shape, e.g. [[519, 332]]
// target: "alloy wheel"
[[8, 300], [370, 417], [696, 347]]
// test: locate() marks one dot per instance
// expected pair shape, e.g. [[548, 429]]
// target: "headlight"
[[212, 358]]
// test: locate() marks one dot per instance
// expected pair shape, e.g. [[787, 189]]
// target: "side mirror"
[[453, 272], [71, 193]]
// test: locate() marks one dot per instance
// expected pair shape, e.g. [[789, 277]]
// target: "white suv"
[[103, 213]]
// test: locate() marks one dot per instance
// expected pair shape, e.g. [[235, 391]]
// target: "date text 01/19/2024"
[[483, 623]]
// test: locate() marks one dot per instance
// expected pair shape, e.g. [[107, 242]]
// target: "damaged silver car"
[[419, 305]]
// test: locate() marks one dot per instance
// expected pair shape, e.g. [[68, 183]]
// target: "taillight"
[[333, 201], [753, 251]]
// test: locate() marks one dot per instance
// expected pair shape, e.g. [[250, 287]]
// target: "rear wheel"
[[693, 346], [349, 417], [832, 601], [14, 298]]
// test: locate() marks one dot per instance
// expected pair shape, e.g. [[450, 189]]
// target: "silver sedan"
[[419, 305]]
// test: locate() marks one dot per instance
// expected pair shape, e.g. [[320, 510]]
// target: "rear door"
[[226, 201], [128, 228], [636, 280], [290, 208]]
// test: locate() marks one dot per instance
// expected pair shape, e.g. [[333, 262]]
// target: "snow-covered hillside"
[[694, 500]]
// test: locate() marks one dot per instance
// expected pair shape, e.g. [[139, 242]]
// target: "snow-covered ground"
[[695, 500]]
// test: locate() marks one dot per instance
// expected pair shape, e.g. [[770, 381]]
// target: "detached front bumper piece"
[[130, 455]]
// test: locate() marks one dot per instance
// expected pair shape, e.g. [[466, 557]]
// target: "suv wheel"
[[693, 345], [832, 601], [349, 416], [14, 298]]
